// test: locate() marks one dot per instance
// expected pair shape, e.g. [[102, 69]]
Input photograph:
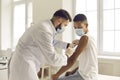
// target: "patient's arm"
[[81, 46]]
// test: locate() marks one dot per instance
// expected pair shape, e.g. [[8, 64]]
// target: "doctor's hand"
[[69, 51], [54, 77], [74, 43]]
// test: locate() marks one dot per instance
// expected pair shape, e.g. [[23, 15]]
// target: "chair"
[[43, 76]]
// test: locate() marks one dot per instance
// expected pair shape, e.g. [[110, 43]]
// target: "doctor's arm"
[[81, 46], [45, 44], [60, 44], [65, 45]]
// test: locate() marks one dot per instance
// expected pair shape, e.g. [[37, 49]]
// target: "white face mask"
[[79, 32], [60, 29]]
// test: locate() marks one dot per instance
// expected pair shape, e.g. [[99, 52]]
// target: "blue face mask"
[[79, 32], [60, 29]]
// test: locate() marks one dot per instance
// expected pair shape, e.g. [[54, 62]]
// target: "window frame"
[[99, 29]]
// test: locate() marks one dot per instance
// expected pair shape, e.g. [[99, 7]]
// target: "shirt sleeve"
[[44, 40], [60, 44]]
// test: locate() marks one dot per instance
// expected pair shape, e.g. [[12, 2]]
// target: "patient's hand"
[[69, 73]]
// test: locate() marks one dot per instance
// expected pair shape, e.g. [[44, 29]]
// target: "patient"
[[85, 52]]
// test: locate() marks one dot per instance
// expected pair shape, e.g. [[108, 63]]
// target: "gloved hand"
[[74, 43], [69, 51]]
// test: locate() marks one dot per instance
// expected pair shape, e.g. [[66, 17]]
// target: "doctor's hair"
[[63, 14], [80, 17]]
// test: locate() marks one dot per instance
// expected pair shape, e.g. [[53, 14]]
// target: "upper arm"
[[81, 46]]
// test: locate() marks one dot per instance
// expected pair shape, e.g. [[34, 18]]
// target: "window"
[[103, 18], [84, 7], [22, 18], [111, 25]]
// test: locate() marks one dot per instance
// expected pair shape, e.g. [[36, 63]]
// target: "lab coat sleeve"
[[60, 44], [44, 41]]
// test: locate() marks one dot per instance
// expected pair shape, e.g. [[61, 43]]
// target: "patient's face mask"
[[60, 29], [79, 32]]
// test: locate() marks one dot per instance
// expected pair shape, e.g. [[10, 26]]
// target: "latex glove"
[[69, 51], [74, 43]]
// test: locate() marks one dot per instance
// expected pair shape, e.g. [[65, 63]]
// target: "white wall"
[[6, 24], [109, 66], [44, 9], [68, 34]]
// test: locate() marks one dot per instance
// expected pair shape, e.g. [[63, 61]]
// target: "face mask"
[[79, 32], [60, 29]]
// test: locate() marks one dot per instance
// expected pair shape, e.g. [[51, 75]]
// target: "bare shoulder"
[[81, 46], [83, 39]]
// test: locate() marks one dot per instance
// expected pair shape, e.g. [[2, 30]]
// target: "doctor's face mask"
[[61, 27]]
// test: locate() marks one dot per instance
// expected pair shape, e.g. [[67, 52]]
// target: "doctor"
[[36, 47]]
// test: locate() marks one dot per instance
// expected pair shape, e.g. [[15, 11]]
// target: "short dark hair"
[[62, 13], [80, 17]]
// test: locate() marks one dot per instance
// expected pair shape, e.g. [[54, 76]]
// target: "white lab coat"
[[34, 49]]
